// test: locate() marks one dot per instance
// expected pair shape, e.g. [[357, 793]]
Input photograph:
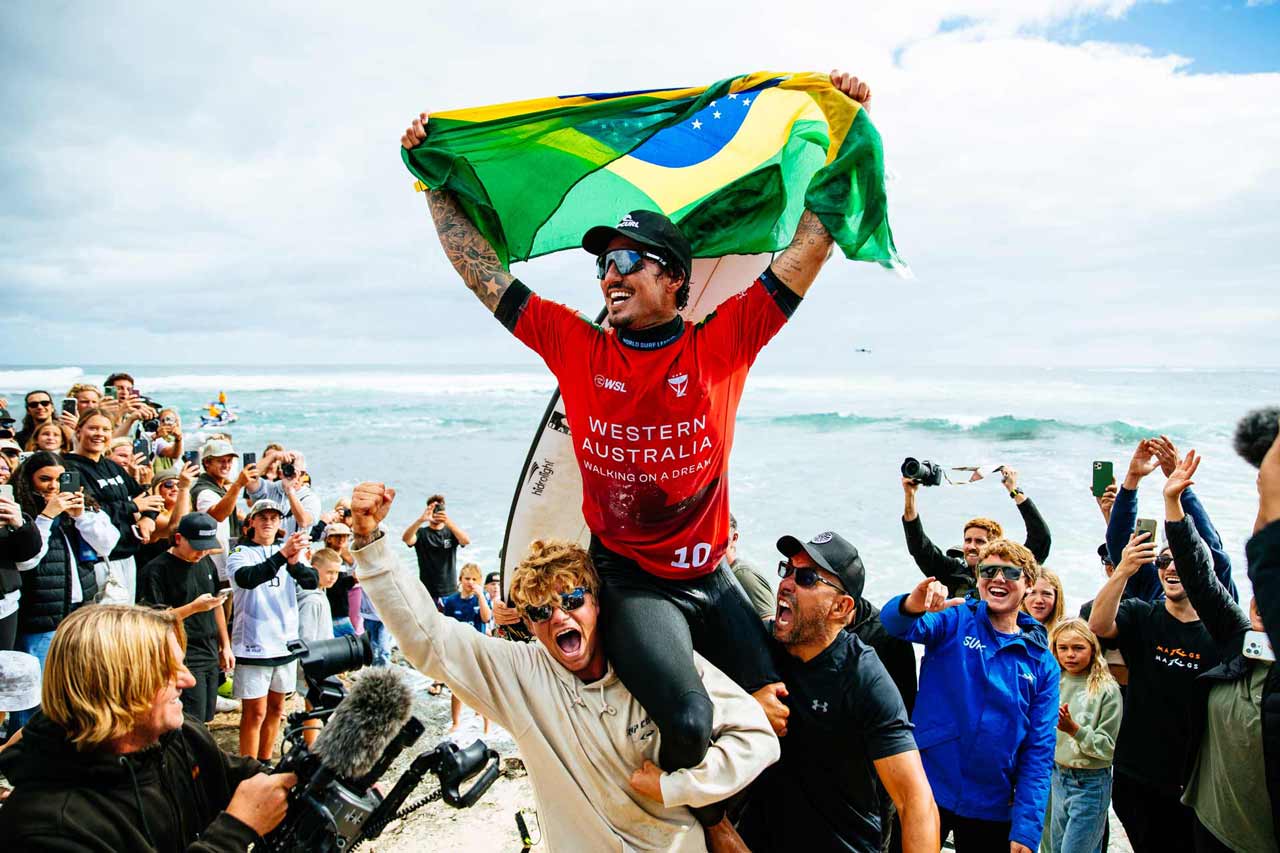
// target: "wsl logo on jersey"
[[679, 384], [611, 384]]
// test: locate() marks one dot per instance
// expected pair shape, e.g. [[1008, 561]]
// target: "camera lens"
[[323, 658]]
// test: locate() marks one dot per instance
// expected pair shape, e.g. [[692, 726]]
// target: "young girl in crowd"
[[168, 447], [1044, 601], [1088, 722], [50, 437]]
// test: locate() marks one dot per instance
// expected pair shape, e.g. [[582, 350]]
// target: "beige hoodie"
[[580, 742]]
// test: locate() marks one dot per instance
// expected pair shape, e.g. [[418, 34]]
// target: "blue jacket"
[[1146, 583], [986, 715]]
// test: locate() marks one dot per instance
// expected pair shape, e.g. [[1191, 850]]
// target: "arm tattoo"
[[468, 250], [799, 263]]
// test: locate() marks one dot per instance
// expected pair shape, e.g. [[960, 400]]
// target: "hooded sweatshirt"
[[581, 742], [986, 713], [169, 796], [114, 490]]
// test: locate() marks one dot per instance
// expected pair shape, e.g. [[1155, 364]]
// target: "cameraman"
[[300, 505], [957, 572], [111, 764]]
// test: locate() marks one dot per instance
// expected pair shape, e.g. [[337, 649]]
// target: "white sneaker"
[[226, 706]]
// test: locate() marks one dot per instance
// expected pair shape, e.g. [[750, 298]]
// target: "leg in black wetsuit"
[[652, 626]]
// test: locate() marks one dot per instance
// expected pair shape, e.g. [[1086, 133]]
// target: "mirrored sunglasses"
[[806, 577], [627, 261], [1011, 573], [569, 601]]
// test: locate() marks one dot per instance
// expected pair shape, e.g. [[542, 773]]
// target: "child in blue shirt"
[[469, 604]]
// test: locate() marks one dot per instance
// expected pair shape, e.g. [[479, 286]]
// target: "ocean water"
[[811, 452]]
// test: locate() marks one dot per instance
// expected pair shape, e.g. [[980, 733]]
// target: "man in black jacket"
[[87, 779], [1263, 551], [956, 571]]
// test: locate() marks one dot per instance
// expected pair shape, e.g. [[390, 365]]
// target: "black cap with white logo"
[[832, 552], [200, 531], [648, 228]]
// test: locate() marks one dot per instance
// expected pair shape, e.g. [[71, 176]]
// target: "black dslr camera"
[[334, 806], [922, 471]]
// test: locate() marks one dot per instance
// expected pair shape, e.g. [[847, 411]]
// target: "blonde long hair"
[[106, 664], [1099, 675], [1059, 606]]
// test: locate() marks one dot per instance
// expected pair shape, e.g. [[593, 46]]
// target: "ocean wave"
[[1001, 428], [386, 382], [55, 379]]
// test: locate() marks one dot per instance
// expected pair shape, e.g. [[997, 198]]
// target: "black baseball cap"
[[6, 418], [492, 577], [832, 552], [1105, 554], [200, 531], [648, 228]]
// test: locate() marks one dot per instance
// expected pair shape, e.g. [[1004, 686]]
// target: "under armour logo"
[[819, 706], [679, 384]]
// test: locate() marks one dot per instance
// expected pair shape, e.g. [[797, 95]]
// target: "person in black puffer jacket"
[[113, 764], [19, 540], [1227, 784]]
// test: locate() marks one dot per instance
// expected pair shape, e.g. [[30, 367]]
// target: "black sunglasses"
[[569, 601], [1164, 561], [627, 261], [31, 404], [1011, 573], [806, 577]]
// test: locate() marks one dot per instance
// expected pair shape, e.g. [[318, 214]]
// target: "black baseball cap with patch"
[[832, 552], [200, 531], [648, 228]]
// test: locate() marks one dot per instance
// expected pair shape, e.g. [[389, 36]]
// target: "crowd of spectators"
[[1020, 728]]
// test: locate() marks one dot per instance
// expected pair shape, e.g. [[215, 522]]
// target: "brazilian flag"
[[733, 164]]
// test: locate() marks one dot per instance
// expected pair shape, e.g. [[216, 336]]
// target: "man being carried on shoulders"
[[651, 402], [589, 744]]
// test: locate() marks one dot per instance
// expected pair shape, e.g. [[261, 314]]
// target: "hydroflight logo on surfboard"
[[539, 475]]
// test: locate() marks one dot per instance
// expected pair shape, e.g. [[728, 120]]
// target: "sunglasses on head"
[[1164, 561], [806, 577], [1011, 573], [627, 261], [569, 601]]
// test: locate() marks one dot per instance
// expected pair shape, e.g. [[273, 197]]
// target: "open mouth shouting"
[[569, 641], [618, 296], [785, 616], [998, 591]]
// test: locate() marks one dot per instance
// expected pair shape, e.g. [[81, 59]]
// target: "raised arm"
[[798, 264], [465, 247], [1106, 604]]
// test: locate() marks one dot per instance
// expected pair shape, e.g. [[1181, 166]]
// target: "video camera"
[[334, 806]]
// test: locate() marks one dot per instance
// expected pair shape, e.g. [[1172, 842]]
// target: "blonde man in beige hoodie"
[[589, 746]]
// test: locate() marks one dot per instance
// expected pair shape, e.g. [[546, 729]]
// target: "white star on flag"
[[713, 103], [746, 101], [716, 114], [696, 124], [734, 96]]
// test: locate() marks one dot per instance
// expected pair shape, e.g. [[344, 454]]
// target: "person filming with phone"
[[957, 571], [110, 763]]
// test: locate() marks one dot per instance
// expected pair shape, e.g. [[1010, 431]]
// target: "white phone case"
[[1258, 646]]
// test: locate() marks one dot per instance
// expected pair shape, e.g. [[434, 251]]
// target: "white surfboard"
[[548, 497]]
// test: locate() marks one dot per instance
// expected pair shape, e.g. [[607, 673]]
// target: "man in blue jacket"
[[1152, 453], [987, 709]]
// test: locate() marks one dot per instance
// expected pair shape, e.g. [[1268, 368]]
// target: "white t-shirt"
[[205, 501]]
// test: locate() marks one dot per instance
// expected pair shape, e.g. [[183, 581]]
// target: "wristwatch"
[[1016, 493]]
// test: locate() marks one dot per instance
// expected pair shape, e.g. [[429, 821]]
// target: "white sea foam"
[[56, 379]]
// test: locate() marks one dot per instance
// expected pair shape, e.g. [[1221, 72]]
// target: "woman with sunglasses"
[[987, 710]]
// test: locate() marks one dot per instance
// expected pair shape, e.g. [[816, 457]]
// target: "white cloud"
[[247, 157]]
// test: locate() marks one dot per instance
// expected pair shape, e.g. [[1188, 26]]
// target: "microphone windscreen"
[[365, 723], [1255, 434]]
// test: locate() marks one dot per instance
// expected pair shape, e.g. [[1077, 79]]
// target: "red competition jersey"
[[652, 427]]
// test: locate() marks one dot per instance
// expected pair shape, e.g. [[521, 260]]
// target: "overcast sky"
[[1076, 182]]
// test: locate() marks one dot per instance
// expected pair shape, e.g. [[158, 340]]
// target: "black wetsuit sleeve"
[[786, 298], [1038, 539], [899, 659], [511, 305], [247, 577], [305, 576], [1263, 550], [1218, 611], [933, 563]]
